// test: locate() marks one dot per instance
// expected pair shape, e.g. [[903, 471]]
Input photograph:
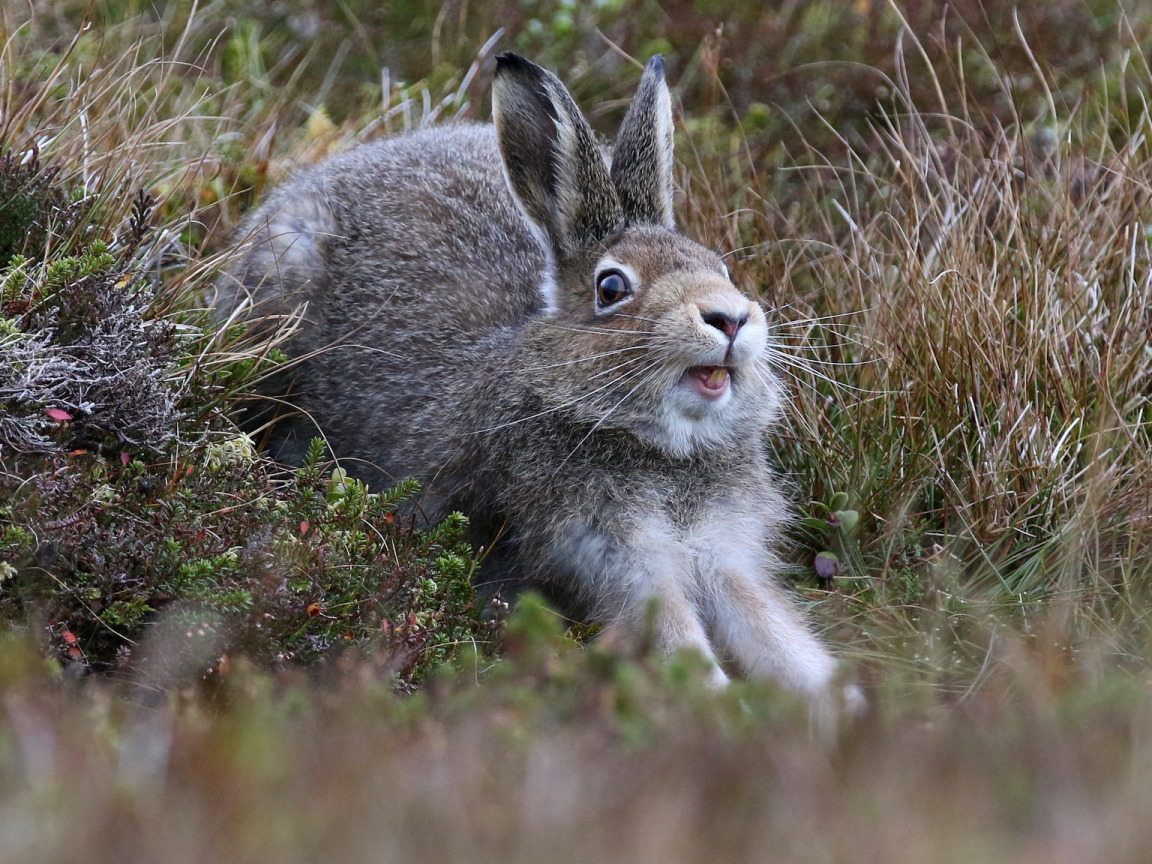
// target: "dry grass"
[[982, 389]]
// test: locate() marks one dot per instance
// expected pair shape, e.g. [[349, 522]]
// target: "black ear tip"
[[656, 65], [506, 61]]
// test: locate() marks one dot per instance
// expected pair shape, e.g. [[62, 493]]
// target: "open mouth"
[[711, 382]]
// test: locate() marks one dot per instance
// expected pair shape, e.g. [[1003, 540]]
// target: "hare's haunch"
[[500, 313]]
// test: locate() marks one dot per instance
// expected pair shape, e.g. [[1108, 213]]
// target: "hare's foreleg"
[[661, 611], [641, 589], [757, 624]]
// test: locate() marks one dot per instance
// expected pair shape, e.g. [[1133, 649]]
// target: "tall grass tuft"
[[963, 306]]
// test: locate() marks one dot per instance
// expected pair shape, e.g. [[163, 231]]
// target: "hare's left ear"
[[642, 158], [553, 165]]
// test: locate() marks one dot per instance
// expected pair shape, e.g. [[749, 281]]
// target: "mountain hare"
[[496, 311]]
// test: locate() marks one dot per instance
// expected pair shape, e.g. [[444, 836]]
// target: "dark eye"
[[611, 287]]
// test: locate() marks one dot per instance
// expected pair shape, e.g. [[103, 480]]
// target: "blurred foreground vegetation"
[[948, 208]]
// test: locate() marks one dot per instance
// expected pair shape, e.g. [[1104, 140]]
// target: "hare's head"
[[642, 328]]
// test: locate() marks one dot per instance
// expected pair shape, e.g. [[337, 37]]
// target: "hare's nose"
[[725, 323]]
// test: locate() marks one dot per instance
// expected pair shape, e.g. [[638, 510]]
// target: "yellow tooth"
[[718, 377]]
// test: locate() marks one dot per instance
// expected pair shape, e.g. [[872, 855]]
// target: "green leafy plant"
[[832, 523]]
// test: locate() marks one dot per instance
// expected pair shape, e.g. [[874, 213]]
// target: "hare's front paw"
[[717, 678], [855, 703]]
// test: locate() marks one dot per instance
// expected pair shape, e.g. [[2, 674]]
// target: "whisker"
[[619, 366], [648, 374], [636, 317], [810, 349], [605, 331], [641, 347], [805, 422], [802, 331], [788, 364], [803, 384], [551, 410], [777, 352], [812, 319], [827, 379], [804, 341]]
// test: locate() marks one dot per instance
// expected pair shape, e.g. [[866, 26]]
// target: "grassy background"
[[948, 208]]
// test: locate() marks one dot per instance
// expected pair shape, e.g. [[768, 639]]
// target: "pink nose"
[[723, 322]]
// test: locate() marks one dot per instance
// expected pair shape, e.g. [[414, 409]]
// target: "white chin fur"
[[686, 401], [692, 422]]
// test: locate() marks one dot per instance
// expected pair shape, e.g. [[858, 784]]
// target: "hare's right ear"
[[642, 160], [553, 164]]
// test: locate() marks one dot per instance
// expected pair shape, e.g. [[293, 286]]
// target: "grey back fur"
[[496, 312]]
